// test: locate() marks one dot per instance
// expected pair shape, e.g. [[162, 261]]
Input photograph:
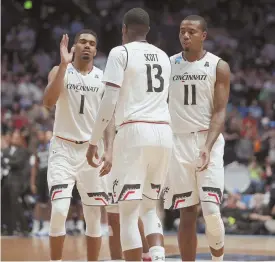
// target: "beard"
[[186, 49], [85, 58]]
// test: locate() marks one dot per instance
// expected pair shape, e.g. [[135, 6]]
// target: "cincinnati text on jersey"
[[79, 87], [186, 77]]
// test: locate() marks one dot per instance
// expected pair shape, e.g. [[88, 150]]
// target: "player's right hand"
[[65, 56], [91, 154]]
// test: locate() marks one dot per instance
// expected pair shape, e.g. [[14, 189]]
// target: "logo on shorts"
[[128, 190], [57, 189], [115, 183], [111, 198], [99, 196], [179, 199], [156, 187], [164, 192], [214, 193]]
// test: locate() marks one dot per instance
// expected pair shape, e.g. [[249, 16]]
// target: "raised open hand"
[[65, 56]]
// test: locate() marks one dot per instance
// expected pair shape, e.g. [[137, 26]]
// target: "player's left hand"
[[106, 168], [204, 159], [91, 154]]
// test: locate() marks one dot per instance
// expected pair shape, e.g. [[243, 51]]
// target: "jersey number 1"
[[81, 110], [156, 76]]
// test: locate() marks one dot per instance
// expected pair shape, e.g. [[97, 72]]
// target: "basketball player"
[[199, 91], [137, 79], [76, 89], [114, 228]]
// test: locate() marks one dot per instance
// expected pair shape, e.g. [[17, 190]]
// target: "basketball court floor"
[[238, 248]]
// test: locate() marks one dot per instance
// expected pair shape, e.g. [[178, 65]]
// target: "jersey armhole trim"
[[126, 57]]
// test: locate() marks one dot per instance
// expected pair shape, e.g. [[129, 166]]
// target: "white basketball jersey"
[[191, 92], [145, 83], [78, 103]]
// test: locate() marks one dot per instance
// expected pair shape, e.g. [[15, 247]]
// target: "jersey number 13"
[[157, 76]]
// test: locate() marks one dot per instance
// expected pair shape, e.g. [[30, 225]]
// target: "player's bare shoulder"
[[52, 73], [223, 76], [223, 68]]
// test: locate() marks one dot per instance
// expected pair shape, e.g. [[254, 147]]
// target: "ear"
[[124, 29], [95, 52], [204, 35]]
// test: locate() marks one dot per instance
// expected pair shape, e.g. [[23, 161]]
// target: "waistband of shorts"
[[191, 132], [144, 121], [200, 131], [72, 141]]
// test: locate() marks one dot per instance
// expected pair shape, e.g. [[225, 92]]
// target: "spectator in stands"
[[16, 161], [256, 176]]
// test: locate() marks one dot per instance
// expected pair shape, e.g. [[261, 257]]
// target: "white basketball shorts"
[[142, 152], [67, 165], [185, 186]]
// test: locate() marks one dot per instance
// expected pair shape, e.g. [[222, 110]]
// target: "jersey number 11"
[[193, 95]]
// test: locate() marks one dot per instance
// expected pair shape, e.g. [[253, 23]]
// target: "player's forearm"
[[216, 127], [109, 136], [101, 123], [54, 87], [105, 113]]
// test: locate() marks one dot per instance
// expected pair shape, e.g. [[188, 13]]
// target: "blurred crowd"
[[240, 31]]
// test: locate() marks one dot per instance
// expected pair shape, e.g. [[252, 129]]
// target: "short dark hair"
[[198, 18], [85, 31], [137, 17]]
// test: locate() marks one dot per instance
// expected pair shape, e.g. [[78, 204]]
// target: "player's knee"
[[112, 209], [60, 208], [114, 226], [92, 215], [215, 230], [129, 231], [188, 217], [150, 219]]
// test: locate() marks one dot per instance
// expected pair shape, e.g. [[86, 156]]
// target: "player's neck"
[[192, 56], [138, 39], [83, 67]]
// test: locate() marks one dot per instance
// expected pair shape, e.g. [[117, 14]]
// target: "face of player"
[[85, 47], [191, 35]]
